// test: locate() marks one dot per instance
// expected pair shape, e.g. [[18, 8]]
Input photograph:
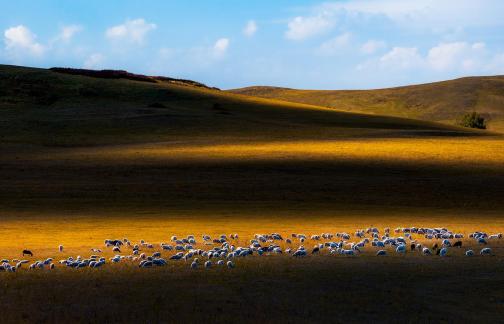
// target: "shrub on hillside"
[[473, 120]]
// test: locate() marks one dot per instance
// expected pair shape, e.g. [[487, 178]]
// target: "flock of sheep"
[[224, 250]]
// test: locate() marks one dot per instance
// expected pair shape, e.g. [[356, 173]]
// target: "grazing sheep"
[[299, 253], [401, 249], [486, 251], [145, 264], [223, 251], [177, 256], [379, 244], [159, 262], [426, 251], [481, 240]]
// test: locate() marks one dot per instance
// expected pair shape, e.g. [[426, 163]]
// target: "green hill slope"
[[443, 101], [46, 107]]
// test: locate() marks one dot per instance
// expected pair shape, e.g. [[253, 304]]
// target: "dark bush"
[[473, 120]]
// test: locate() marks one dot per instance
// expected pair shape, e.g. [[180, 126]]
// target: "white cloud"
[[334, 45], [403, 57], [457, 55], [94, 61], [430, 14], [448, 59], [250, 28], [301, 28], [372, 46], [67, 32], [220, 47], [447, 55], [132, 30], [478, 46], [20, 40]]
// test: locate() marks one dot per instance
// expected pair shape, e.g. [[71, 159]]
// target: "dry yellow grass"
[[269, 288], [476, 152], [85, 159], [43, 233], [445, 101]]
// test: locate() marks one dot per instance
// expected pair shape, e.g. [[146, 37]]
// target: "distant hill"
[[443, 101], [47, 107]]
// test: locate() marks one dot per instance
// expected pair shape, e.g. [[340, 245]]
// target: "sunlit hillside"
[[85, 144], [84, 159], [440, 101], [45, 107]]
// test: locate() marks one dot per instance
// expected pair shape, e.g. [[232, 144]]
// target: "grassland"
[[444, 102], [409, 288], [84, 159]]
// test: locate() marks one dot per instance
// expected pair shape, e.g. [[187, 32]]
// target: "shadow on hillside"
[[243, 186]]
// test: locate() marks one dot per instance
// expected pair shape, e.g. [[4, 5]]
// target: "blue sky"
[[344, 44]]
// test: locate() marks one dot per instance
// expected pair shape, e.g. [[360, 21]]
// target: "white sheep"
[[486, 251], [401, 248]]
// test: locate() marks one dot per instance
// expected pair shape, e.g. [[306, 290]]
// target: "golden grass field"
[[82, 169], [269, 288], [444, 101]]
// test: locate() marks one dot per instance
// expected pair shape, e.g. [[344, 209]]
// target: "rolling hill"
[[129, 145], [48, 107], [442, 102]]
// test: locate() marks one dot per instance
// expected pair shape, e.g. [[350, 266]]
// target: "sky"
[[345, 44]]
